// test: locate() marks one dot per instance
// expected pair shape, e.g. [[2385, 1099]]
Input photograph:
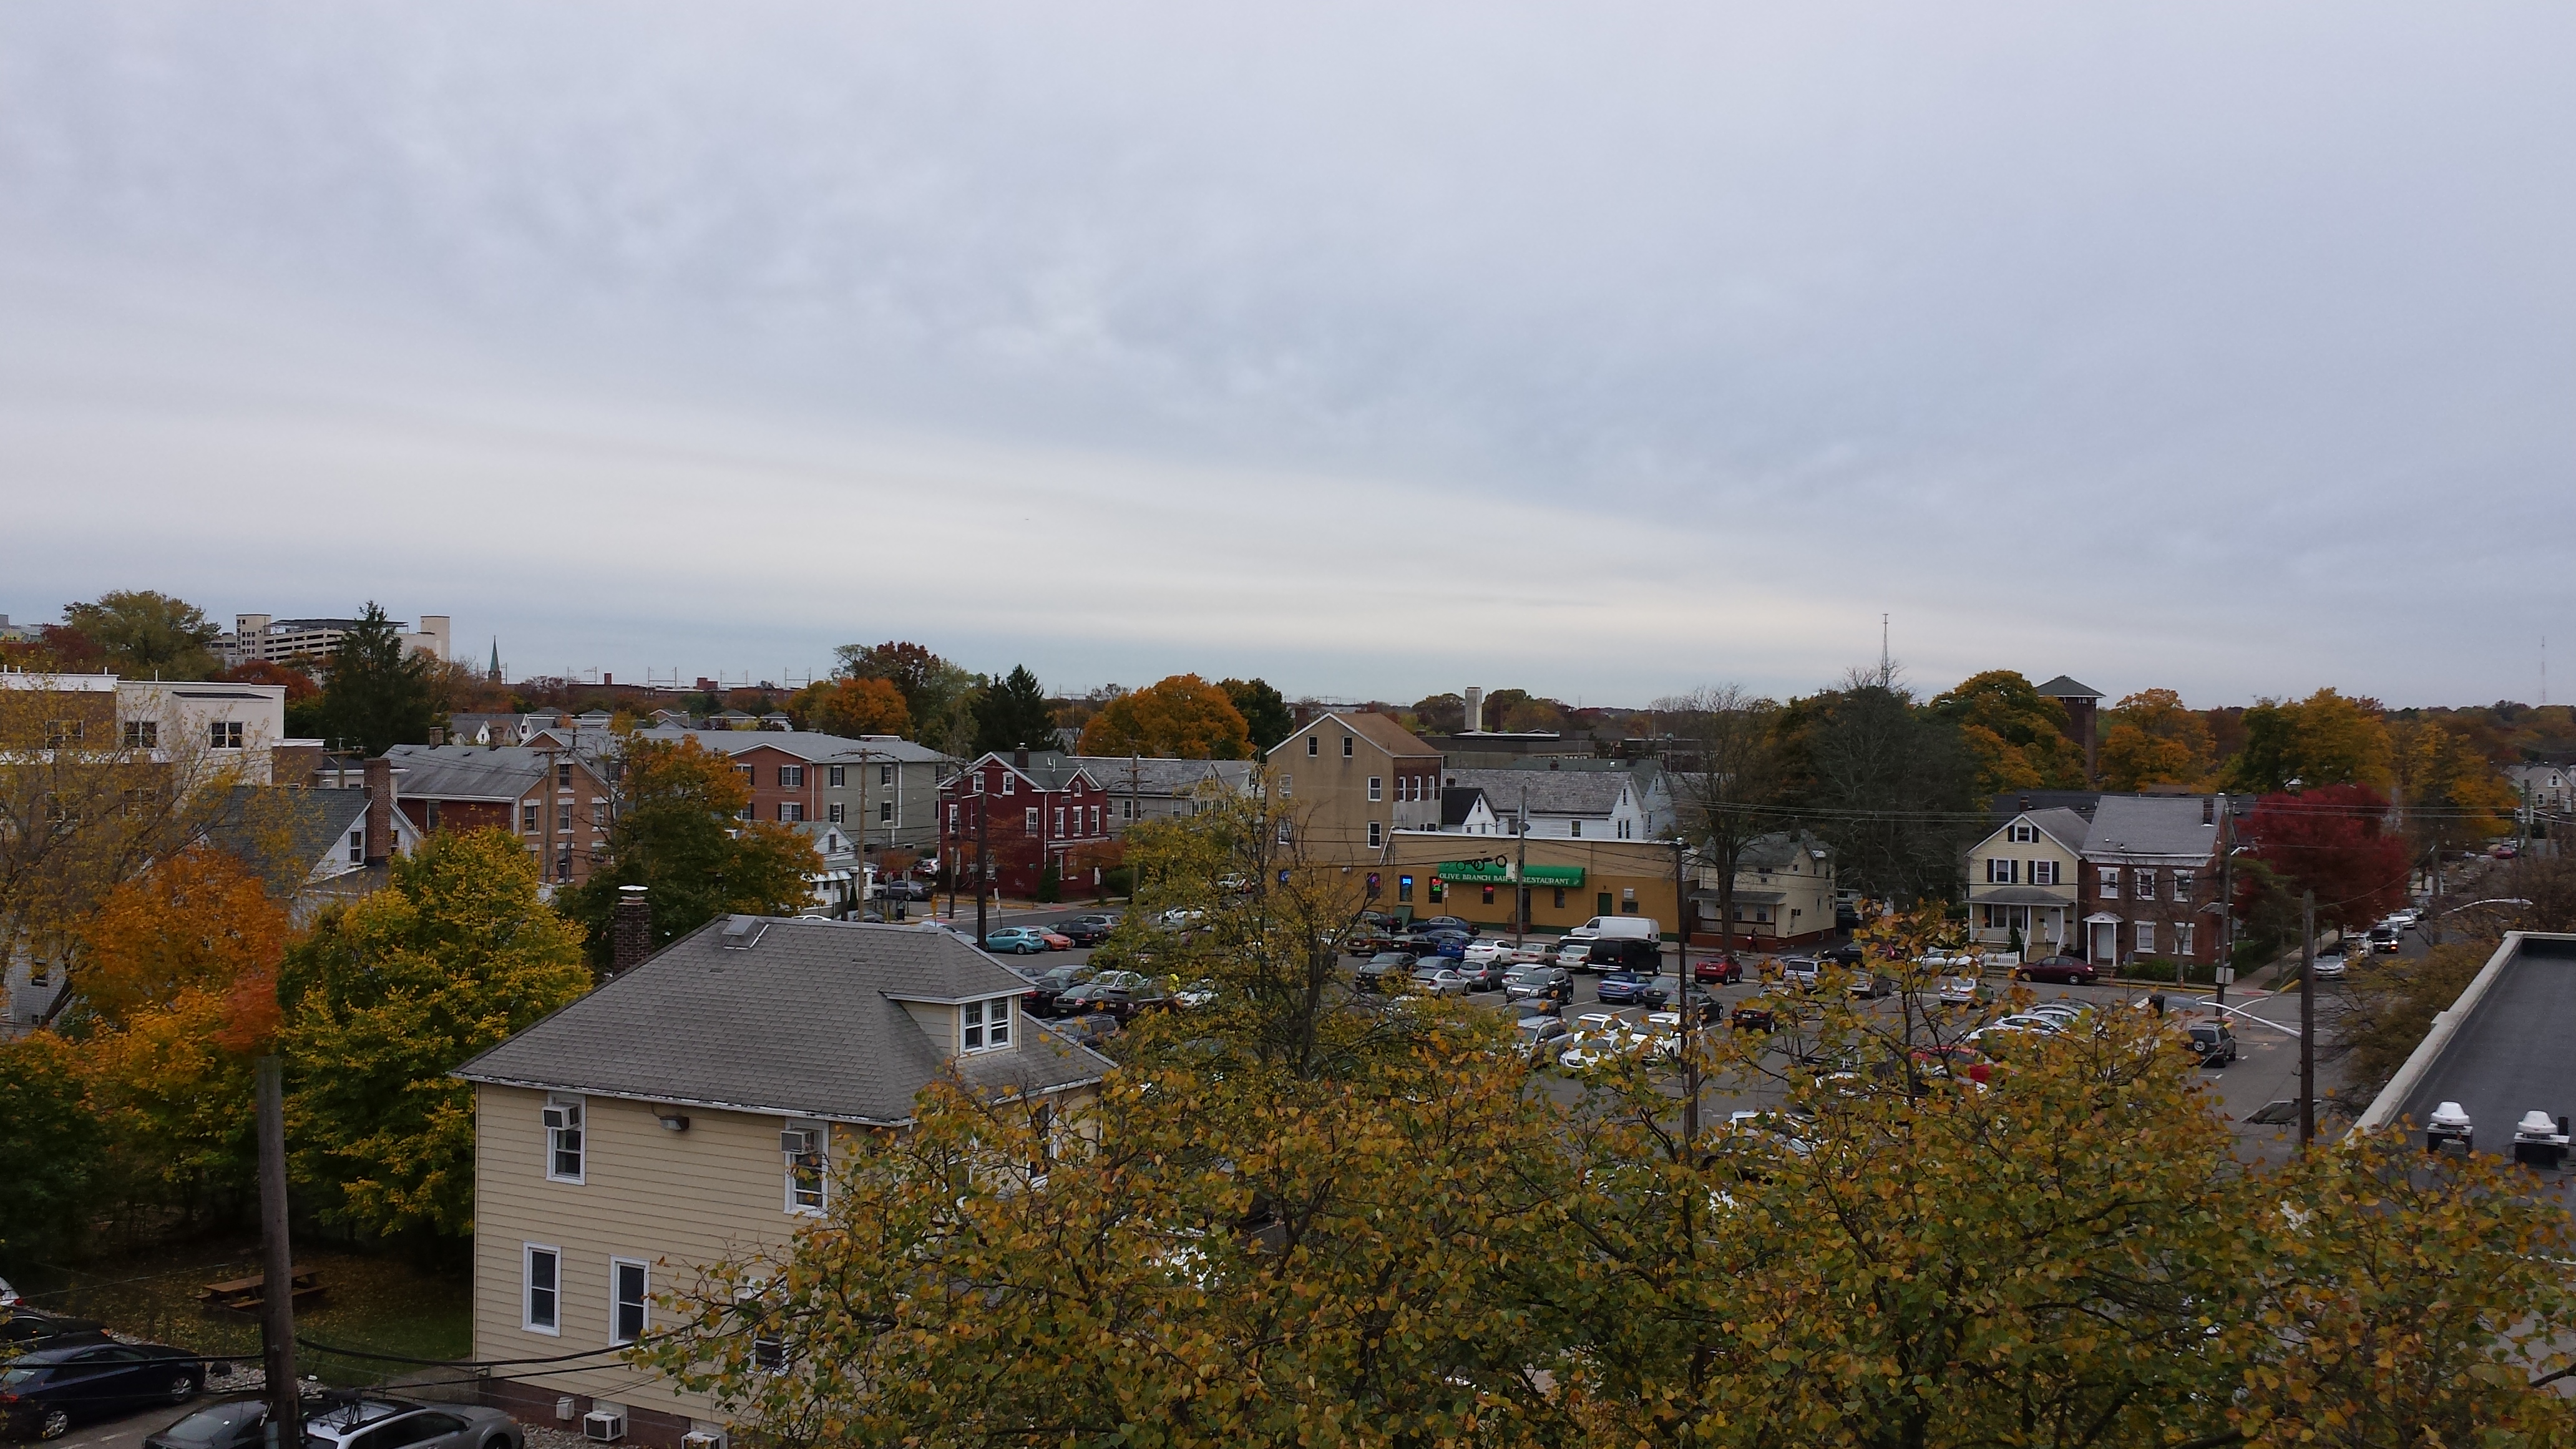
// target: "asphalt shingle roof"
[[467, 772], [1151, 776], [2160, 825], [2065, 687], [1588, 793], [807, 745], [807, 1020]]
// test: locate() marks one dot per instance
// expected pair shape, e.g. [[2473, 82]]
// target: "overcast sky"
[[1597, 350]]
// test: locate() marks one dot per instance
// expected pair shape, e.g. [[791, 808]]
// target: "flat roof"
[[2501, 1050]]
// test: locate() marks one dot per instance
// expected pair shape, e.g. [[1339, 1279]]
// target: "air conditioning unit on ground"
[[703, 1439], [603, 1426]]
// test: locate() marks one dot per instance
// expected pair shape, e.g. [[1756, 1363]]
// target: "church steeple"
[[495, 675]]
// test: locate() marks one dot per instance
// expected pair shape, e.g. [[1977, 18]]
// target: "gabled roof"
[[1458, 802], [1046, 769], [2064, 826], [2127, 827], [807, 1021], [1147, 775], [1378, 730], [1590, 794], [468, 772], [284, 834], [2021, 802], [1770, 852], [2064, 687], [808, 745]]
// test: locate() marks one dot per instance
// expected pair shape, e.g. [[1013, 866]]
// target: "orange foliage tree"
[[853, 707], [1183, 717]]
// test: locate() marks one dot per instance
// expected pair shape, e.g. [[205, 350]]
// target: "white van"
[[1640, 928]]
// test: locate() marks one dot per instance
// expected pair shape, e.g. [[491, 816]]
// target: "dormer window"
[[984, 1025], [2024, 833]]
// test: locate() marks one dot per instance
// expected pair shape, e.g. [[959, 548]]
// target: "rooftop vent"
[[741, 933]]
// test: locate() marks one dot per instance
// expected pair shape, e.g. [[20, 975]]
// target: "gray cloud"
[[1608, 353]]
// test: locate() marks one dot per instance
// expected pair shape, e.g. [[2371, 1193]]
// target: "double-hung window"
[[142, 734], [1314, 745], [836, 775], [2001, 871], [1377, 834], [885, 812], [1030, 824], [1376, 788], [528, 817], [1346, 747], [224, 734], [791, 810], [1010, 783], [541, 1301], [885, 774], [791, 776], [2023, 834], [984, 1025], [2182, 938], [2146, 937], [630, 1289], [2143, 884], [837, 810], [564, 1150], [808, 1148], [2110, 882], [2043, 872], [1059, 820], [2182, 885]]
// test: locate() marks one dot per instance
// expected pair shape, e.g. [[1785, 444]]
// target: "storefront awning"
[[1486, 872]]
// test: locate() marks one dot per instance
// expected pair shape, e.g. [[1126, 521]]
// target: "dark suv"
[[1623, 953], [1086, 930], [2213, 1043]]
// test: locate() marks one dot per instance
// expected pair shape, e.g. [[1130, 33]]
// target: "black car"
[[34, 1327], [1846, 954], [1444, 923], [1609, 954], [1048, 987], [2213, 1043], [1383, 971], [1755, 1015], [44, 1391], [1086, 930], [233, 1424], [1121, 994]]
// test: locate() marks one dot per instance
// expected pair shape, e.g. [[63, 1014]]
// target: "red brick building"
[[1047, 809], [549, 798]]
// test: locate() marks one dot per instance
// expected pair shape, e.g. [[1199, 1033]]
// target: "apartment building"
[[1047, 811], [554, 800], [882, 789], [286, 641], [1349, 781]]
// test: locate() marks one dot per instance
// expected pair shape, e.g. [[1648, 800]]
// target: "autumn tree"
[[852, 707], [2151, 739], [390, 994], [1440, 714], [2451, 795], [1181, 717], [1264, 710], [2333, 841], [141, 634], [1727, 780], [1012, 713], [937, 695], [1886, 783], [681, 835], [91, 794], [200, 920], [2325, 739], [2016, 735], [50, 1153], [379, 693]]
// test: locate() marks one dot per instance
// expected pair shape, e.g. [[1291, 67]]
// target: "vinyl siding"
[[675, 1200]]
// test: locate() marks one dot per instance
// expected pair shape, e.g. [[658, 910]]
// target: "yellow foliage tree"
[[853, 707], [2154, 740], [1183, 717]]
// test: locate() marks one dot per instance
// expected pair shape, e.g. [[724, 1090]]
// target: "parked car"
[[1800, 973], [1628, 986], [1756, 1015], [1623, 953], [1381, 971], [1019, 940], [2064, 1013], [1055, 940], [1571, 955], [1960, 991], [2384, 939], [1849, 953], [1957, 1059], [1431, 980], [1482, 976], [2213, 1043], [368, 1422], [1717, 971], [20, 1324], [2059, 970], [1449, 945], [2330, 963], [1870, 986], [1539, 983], [2407, 916], [1087, 930], [1445, 923], [46, 1390], [1122, 994], [1090, 1030], [1202, 992], [1503, 954], [1541, 1037], [1051, 985], [233, 1424]]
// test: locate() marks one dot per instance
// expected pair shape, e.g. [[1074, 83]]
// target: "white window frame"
[[836, 775], [839, 810], [1377, 834], [2182, 884], [791, 777], [1059, 820], [643, 1307], [885, 812], [2143, 884], [1377, 788], [579, 1126], [2182, 939], [820, 1166], [1347, 749], [2024, 834], [528, 1289], [1010, 783], [2143, 935], [2109, 882], [1314, 744], [984, 1025], [2043, 872], [791, 812], [1029, 822], [885, 774]]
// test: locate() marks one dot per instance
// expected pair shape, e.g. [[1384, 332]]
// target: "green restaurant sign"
[[1487, 872]]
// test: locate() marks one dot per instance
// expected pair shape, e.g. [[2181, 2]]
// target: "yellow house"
[[2022, 879], [690, 1110]]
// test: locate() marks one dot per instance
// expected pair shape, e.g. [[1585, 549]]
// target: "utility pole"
[[1520, 879], [2307, 1018], [2226, 898], [1690, 1018], [277, 1264], [983, 857]]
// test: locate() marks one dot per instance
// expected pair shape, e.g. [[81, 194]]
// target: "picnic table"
[[246, 1293]]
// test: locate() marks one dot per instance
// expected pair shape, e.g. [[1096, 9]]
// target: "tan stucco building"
[[1348, 781]]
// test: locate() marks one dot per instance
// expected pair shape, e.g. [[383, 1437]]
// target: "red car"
[[1955, 1060], [2063, 970], [1717, 971]]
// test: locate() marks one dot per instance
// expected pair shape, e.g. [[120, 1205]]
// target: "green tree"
[[379, 693], [1887, 784], [2016, 734], [47, 1153], [1012, 713], [391, 993], [2325, 739], [145, 635], [1183, 717], [1264, 710], [680, 835]]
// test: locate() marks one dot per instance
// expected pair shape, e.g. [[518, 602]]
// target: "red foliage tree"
[[2334, 841]]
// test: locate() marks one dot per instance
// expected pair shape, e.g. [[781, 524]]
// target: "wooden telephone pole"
[[276, 1264]]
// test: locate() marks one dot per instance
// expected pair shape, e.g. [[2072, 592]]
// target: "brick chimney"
[[380, 810], [630, 930], [1020, 758]]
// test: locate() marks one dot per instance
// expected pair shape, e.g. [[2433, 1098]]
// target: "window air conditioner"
[[795, 1142], [702, 1439], [603, 1426]]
